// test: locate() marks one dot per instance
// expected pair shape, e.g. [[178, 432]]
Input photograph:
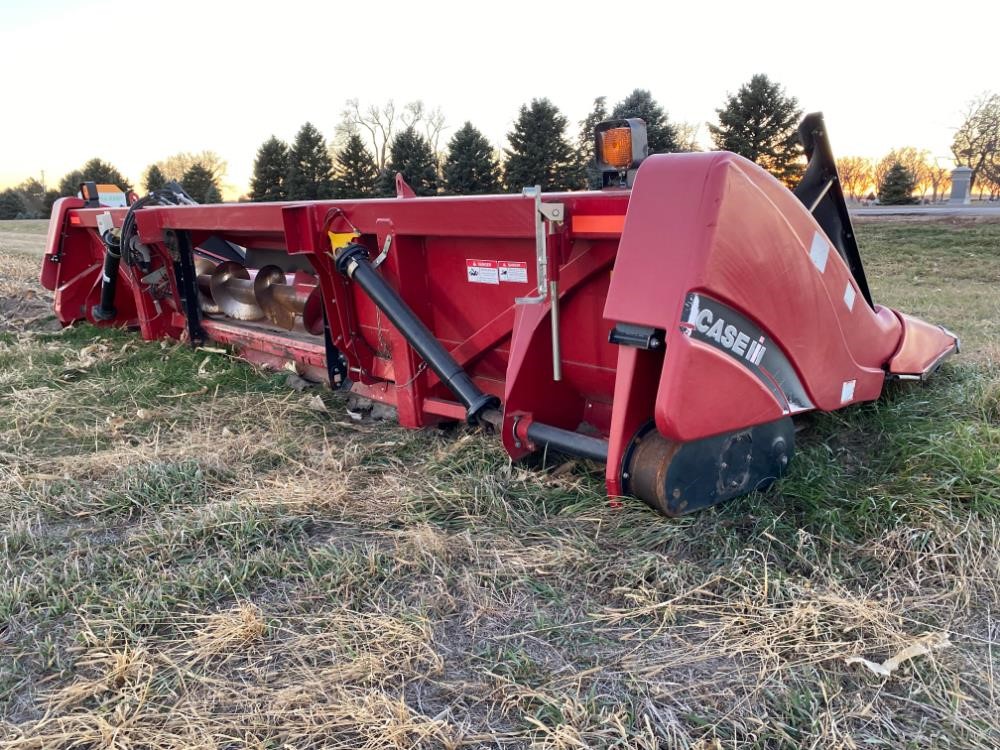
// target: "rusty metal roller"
[[233, 291], [282, 302]]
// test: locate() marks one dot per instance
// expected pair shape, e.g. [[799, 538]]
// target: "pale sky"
[[133, 82]]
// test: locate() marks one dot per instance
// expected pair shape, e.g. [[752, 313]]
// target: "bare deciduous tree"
[[174, 167], [434, 127], [687, 136], [855, 175], [989, 180], [379, 123], [939, 178], [977, 141]]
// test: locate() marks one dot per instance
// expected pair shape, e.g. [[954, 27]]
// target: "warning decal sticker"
[[482, 271], [513, 271]]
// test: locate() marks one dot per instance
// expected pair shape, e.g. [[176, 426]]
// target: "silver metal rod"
[[556, 355], [824, 191]]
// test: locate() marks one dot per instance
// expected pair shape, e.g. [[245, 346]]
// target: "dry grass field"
[[195, 555]]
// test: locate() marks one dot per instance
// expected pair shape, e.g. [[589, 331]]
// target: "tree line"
[[380, 141], [371, 144], [200, 174], [909, 171], [907, 175]]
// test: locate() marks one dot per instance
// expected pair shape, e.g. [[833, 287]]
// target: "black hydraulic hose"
[[568, 441], [109, 279], [352, 262]]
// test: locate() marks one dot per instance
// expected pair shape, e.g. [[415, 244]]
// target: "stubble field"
[[195, 555]]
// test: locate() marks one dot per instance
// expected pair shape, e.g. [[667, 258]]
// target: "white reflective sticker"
[[847, 391], [819, 251], [849, 295]]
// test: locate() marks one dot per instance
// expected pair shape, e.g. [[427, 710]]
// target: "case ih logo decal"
[[730, 337], [716, 324]]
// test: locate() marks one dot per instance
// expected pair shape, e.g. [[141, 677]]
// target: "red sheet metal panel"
[[738, 237]]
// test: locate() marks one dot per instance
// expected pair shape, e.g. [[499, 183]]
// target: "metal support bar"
[[554, 316], [336, 365], [541, 254], [822, 193], [568, 441], [187, 280], [553, 212]]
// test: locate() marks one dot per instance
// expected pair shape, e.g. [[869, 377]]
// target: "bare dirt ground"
[[195, 555]]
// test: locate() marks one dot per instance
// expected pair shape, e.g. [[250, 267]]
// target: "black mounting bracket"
[[820, 191], [187, 283]]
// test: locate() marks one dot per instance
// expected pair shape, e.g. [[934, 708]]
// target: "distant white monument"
[[961, 179]]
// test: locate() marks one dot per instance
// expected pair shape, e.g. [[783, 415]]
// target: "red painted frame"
[[711, 224]]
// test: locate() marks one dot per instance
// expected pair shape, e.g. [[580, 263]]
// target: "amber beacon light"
[[620, 146], [616, 147]]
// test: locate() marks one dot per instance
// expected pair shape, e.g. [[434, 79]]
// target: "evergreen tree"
[[199, 183], [270, 170], [585, 142], [354, 172], [32, 194], [213, 194], [539, 153], [94, 170], [11, 205], [70, 183], [660, 132], [154, 178], [310, 167], [412, 156], [471, 167], [760, 122], [897, 186]]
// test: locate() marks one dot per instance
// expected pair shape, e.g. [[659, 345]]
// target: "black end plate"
[[681, 478]]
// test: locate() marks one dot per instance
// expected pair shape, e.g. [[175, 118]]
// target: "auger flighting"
[[268, 293]]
